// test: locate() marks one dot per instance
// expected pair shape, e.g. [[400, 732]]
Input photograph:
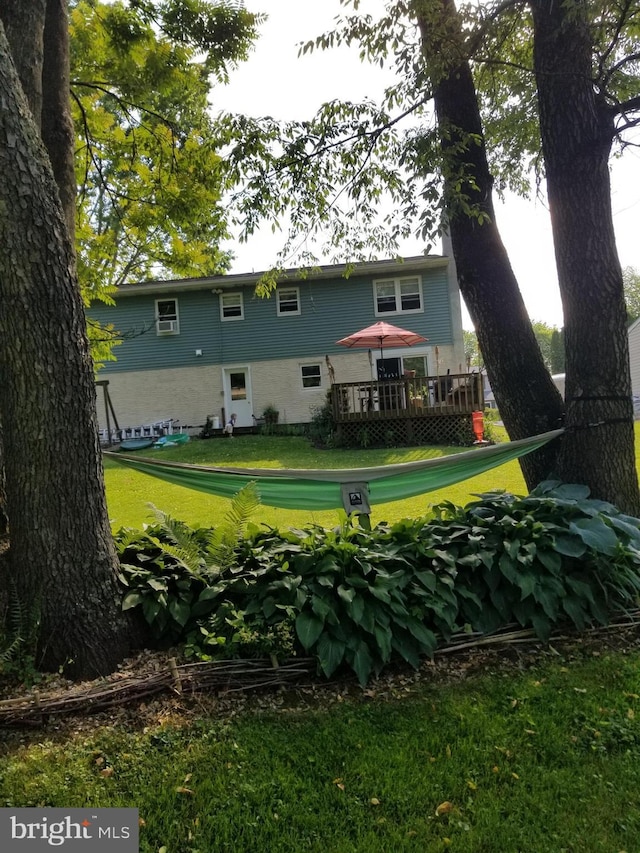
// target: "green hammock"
[[351, 488]]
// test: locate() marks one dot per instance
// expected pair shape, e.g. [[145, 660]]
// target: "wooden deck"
[[411, 410]]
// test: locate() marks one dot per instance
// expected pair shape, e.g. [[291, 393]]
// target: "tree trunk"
[[24, 27], [577, 130], [528, 401], [19, 18], [57, 125], [62, 551]]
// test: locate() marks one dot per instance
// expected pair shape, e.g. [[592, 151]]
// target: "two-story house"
[[207, 347]]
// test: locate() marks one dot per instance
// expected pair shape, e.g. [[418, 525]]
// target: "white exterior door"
[[237, 395]]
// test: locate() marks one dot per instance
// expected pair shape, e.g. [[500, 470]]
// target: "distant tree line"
[[550, 340], [631, 279]]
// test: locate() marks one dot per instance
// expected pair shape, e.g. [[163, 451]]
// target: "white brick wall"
[[190, 394]]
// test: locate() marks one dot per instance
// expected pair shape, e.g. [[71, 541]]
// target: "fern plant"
[[220, 543], [18, 633], [166, 568]]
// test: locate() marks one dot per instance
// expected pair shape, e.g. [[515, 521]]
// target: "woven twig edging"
[[227, 676], [230, 676]]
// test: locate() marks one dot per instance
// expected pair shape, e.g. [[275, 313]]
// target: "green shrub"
[[357, 597], [550, 557], [321, 427]]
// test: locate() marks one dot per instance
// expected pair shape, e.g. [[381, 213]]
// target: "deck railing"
[[408, 397]]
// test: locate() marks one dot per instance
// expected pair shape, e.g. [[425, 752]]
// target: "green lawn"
[[128, 492], [540, 761]]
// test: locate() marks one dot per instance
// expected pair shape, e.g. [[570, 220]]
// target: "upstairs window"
[[167, 317], [231, 306], [311, 376], [398, 296], [288, 301]]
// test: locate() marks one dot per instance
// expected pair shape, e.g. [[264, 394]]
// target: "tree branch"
[[612, 45], [628, 106], [476, 38], [632, 57]]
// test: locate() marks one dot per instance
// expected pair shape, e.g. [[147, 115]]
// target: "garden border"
[[233, 676]]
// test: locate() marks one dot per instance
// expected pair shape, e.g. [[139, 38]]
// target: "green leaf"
[[404, 645], [527, 581], [346, 594], [576, 613], [320, 606], [512, 548], [627, 525], [508, 568], [362, 663], [428, 580], [551, 560], [423, 635], [580, 588], [569, 546], [180, 611], [308, 628], [571, 492], [356, 609], [596, 534], [356, 581], [549, 601], [269, 607], [383, 640], [132, 599], [381, 593], [502, 602], [210, 593], [541, 625], [330, 652], [151, 608]]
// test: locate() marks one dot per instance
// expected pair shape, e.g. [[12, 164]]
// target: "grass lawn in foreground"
[[129, 492], [540, 761]]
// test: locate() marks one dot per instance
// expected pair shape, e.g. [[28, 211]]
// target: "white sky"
[[276, 82]]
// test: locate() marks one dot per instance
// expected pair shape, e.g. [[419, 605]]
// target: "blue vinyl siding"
[[330, 310]]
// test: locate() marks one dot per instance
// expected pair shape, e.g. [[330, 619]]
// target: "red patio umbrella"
[[382, 334]]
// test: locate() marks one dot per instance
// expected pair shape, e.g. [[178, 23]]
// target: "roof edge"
[[235, 280]]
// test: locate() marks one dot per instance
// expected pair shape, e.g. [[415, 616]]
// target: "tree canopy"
[[147, 156], [522, 91], [631, 279], [331, 171]]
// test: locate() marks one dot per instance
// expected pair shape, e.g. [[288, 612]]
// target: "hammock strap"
[[321, 488]]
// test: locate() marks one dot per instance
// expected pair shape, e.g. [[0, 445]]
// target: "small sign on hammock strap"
[[355, 498]]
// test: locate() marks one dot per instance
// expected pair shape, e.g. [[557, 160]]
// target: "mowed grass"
[[129, 493], [540, 761]]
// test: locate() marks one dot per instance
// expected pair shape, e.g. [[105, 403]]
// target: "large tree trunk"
[[577, 130], [527, 399], [18, 18], [24, 27], [57, 125], [62, 550]]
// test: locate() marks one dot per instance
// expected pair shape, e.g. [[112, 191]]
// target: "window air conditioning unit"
[[167, 326]]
